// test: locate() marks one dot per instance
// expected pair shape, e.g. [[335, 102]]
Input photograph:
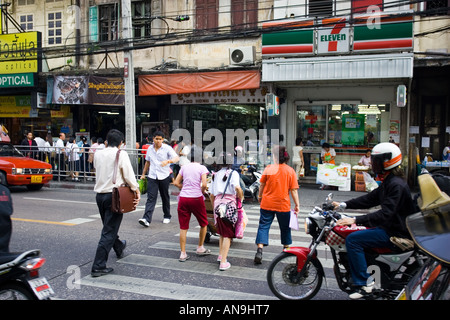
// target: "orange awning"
[[163, 84]]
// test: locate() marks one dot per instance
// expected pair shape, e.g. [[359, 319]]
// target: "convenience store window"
[[350, 129]]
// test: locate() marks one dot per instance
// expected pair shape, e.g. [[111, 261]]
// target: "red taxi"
[[17, 170]]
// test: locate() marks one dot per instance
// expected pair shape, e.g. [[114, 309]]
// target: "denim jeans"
[[265, 221], [355, 243]]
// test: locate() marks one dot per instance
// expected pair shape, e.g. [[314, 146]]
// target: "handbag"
[[122, 196], [227, 211]]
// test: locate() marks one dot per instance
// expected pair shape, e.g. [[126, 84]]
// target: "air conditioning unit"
[[242, 55]]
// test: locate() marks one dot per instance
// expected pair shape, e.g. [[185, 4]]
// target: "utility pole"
[[130, 109]]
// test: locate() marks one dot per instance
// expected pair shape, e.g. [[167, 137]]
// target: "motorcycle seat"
[[6, 257]]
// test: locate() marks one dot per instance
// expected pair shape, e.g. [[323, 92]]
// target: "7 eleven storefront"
[[344, 81]]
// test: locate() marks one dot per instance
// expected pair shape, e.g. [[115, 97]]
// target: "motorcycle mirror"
[[329, 197]]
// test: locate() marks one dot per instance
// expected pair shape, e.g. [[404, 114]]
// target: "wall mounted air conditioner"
[[242, 55]]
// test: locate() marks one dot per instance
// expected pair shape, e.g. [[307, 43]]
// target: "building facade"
[[352, 73]]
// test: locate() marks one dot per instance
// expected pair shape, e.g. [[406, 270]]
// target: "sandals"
[[184, 259], [204, 253]]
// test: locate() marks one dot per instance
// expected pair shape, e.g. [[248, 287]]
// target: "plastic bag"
[[371, 184], [293, 221], [142, 185]]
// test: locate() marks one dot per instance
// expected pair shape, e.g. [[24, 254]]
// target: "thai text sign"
[[20, 52], [88, 90]]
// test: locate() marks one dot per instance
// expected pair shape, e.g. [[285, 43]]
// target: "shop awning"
[[354, 67], [165, 84]]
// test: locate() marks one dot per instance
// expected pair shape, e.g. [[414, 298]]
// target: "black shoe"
[[120, 253], [101, 272], [258, 256]]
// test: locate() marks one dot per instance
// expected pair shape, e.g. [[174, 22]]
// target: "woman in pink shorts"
[[192, 181]]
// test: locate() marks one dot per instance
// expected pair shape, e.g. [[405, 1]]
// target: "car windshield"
[[8, 150]]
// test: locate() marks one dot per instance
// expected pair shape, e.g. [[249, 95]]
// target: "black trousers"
[[109, 237], [153, 186], [6, 210]]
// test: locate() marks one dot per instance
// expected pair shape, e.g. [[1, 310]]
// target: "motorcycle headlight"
[[307, 225]]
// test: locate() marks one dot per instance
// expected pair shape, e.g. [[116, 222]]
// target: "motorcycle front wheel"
[[284, 283]]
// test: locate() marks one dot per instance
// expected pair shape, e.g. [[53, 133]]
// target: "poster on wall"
[[88, 90], [353, 129], [333, 175]]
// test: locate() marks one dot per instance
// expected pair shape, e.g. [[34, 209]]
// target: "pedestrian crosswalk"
[[164, 256]]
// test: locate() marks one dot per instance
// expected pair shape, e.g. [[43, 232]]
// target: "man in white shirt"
[[59, 149], [104, 161], [157, 162]]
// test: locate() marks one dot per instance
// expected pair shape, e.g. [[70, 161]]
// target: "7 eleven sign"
[[333, 36]]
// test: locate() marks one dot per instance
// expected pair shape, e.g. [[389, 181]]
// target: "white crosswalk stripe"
[[197, 267]]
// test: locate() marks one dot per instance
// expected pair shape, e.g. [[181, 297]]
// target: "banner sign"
[[20, 52], [88, 90]]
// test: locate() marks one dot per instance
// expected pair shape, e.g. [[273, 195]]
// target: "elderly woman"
[[277, 182]]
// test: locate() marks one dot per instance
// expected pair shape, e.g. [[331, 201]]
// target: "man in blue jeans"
[[396, 203], [157, 162]]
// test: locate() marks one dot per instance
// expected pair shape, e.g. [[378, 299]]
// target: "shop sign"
[[335, 38], [289, 42], [88, 90], [372, 31], [17, 80], [20, 52], [247, 96]]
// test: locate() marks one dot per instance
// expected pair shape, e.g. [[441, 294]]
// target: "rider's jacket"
[[394, 197]]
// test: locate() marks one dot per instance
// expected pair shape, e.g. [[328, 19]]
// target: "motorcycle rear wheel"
[[13, 291], [281, 277]]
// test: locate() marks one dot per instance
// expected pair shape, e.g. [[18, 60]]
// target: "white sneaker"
[[363, 291], [166, 220], [144, 222]]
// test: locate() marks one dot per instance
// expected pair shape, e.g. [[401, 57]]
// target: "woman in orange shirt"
[[277, 181]]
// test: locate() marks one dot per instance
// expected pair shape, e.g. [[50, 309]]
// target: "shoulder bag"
[[122, 196], [227, 211]]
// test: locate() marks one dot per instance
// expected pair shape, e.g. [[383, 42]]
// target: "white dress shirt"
[[156, 171], [104, 168]]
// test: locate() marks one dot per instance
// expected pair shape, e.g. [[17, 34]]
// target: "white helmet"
[[385, 156]]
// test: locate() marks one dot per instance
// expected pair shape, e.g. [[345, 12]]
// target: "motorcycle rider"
[[394, 197]]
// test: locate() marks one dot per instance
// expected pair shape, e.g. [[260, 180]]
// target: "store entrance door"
[[432, 127], [312, 128]]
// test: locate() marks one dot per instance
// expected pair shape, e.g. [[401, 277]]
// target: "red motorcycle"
[[297, 273]]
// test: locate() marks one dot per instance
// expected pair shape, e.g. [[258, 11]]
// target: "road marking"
[[167, 290], [78, 221], [195, 266], [59, 200], [44, 221]]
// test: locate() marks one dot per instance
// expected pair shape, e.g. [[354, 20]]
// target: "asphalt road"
[[65, 225]]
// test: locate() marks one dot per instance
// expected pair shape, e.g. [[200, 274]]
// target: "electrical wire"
[[180, 36]]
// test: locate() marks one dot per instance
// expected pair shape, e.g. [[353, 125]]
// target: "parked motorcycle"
[[20, 279], [430, 231], [297, 273], [252, 182]]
